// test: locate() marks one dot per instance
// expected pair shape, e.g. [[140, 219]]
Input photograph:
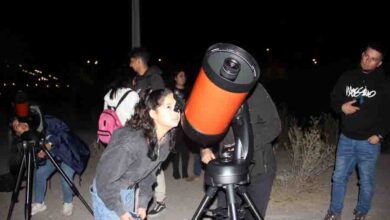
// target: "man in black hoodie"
[[362, 98]]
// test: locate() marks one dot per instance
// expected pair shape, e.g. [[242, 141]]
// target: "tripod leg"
[[241, 191], [68, 181], [211, 191], [231, 201], [29, 185], [15, 193]]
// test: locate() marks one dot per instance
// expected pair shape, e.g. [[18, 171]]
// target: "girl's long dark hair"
[[122, 80], [142, 120]]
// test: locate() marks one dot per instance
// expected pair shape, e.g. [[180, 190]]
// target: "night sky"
[[58, 32], [55, 34]]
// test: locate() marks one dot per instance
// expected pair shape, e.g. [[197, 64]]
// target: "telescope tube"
[[227, 75]]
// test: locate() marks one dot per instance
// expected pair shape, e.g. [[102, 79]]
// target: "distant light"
[[49, 75], [48, 86], [314, 60], [36, 84], [88, 61], [67, 86], [96, 62], [159, 59], [20, 65], [13, 84], [267, 49], [5, 84], [27, 85]]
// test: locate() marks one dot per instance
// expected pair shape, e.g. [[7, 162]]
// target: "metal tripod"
[[231, 176], [28, 162]]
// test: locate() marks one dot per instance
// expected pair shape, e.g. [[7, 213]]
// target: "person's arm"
[[145, 190], [337, 98], [109, 181], [207, 155]]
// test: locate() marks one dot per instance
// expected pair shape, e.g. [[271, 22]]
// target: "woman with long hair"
[[133, 156]]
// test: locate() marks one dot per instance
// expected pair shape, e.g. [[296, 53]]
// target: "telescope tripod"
[[231, 176], [28, 163]]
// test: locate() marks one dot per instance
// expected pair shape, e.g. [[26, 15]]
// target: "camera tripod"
[[28, 163]]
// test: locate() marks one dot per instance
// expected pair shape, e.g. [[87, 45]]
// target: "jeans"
[[42, 173], [100, 210], [350, 153]]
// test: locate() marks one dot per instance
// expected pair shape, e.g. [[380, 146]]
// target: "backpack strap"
[[122, 98]]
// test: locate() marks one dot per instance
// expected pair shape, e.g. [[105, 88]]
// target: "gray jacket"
[[124, 163], [151, 79]]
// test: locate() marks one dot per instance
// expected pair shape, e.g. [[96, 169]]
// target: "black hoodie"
[[372, 92]]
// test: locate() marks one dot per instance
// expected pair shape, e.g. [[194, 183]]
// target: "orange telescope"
[[227, 75]]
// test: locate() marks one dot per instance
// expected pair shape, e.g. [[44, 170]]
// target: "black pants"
[[181, 152], [259, 190]]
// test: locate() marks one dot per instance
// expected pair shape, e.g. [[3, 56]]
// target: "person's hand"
[[126, 216], [374, 139], [41, 154], [141, 212], [207, 155], [48, 146], [348, 107]]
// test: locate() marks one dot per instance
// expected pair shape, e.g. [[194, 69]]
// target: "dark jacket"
[[67, 146], [266, 127], [372, 91], [151, 79], [124, 163]]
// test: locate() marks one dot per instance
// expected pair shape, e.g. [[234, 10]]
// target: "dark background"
[[59, 37]]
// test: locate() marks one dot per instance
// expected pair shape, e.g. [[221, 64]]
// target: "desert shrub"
[[311, 149]]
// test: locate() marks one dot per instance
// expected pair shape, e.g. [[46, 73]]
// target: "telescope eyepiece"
[[230, 69]]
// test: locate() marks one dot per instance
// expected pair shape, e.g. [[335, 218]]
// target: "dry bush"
[[312, 152]]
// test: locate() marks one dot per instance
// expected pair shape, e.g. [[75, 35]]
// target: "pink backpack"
[[109, 122]]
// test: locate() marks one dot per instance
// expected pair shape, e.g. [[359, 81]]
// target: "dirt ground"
[[184, 197], [312, 203]]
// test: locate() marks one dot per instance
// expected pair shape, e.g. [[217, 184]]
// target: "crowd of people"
[[151, 132]]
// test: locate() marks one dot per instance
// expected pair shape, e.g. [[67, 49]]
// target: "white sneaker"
[[38, 207], [67, 209]]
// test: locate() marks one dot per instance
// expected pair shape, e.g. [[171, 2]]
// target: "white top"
[[126, 108]]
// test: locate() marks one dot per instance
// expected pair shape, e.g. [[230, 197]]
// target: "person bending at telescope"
[[266, 127], [133, 156], [66, 148]]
